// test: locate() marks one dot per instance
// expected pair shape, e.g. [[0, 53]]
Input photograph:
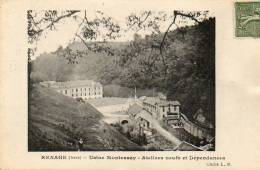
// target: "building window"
[[72, 95], [65, 91], [163, 109], [76, 90]]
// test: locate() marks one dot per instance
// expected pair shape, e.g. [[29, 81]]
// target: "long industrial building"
[[85, 89]]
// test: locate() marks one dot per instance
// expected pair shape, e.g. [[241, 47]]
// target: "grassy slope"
[[56, 122]]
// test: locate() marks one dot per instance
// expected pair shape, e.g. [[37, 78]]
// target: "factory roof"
[[71, 84], [160, 102]]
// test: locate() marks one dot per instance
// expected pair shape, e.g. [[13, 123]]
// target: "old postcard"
[[130, 84]]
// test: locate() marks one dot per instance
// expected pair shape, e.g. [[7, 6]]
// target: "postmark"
[[247, 19]]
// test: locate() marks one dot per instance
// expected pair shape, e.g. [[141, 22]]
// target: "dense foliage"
[[185, 70]]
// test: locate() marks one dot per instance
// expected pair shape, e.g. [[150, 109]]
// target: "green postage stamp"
[[247, 19]]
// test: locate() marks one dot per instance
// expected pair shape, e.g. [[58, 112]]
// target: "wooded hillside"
[[184, 68]]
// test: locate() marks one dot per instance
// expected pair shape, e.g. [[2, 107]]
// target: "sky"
[[67, 28]]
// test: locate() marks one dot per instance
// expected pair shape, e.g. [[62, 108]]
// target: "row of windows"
[[169, 108], [163, 108], [80, 94], [84, 94], [66, 91], [150, 106], [85, 89], [82, 89]]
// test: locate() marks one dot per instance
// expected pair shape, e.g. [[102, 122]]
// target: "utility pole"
[[135, 94]]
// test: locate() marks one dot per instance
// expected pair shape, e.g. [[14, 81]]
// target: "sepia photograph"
[[119, 84], [99, 80]]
